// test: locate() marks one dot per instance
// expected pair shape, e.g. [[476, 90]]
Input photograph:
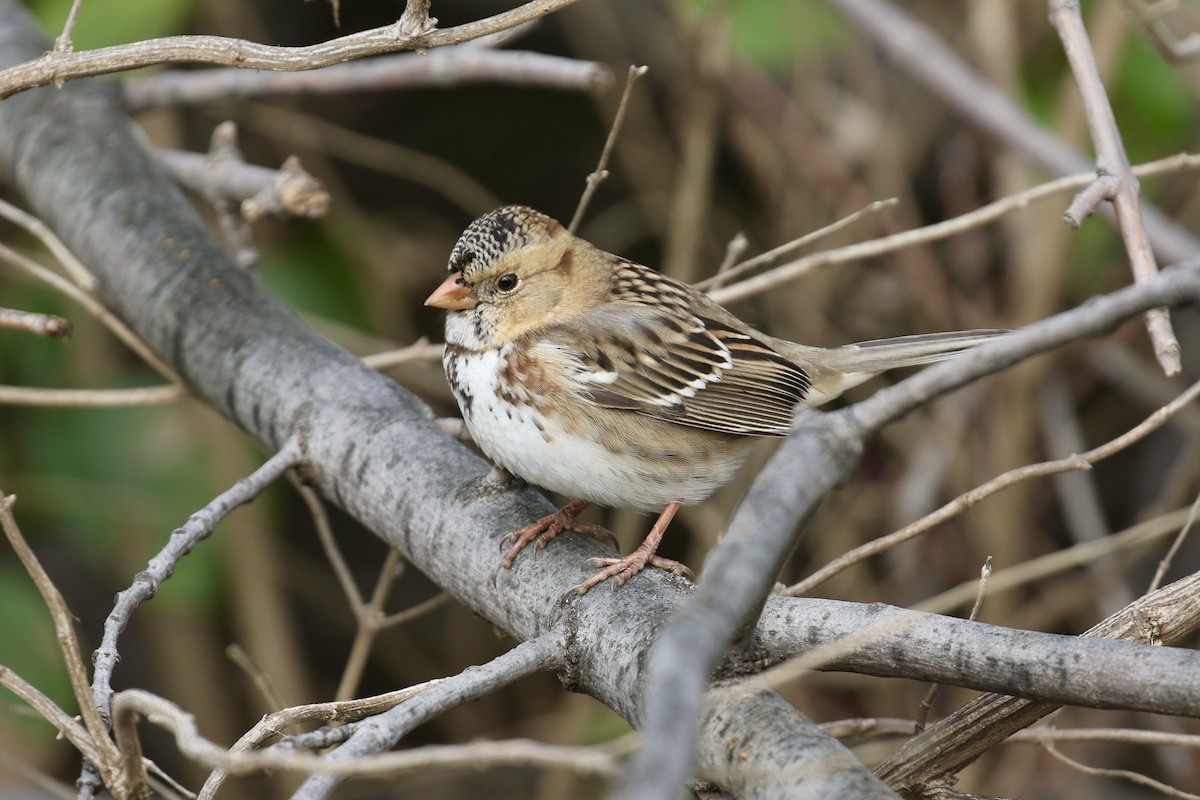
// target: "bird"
[[603, 380]]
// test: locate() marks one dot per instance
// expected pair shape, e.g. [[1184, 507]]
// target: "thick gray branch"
[[893, 642]]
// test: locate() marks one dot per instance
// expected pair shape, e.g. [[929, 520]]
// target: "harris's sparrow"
[[601, 379]]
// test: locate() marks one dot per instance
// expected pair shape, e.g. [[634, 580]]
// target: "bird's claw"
[[541, 532], [619, 570]]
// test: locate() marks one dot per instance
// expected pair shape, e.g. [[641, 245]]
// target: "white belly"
[[529, 444]]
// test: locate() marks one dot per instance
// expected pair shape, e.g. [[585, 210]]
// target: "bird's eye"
[[506, 283]]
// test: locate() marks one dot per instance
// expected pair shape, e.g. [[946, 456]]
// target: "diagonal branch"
[[1115, 180], [146, 583]]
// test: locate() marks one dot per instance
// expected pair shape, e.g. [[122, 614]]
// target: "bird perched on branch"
[[598, 378]]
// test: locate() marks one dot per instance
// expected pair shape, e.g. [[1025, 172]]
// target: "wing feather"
[[689, 370]]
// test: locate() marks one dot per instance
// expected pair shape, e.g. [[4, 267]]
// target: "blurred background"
[[767, 118]]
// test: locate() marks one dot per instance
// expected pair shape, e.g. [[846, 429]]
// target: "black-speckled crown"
[[495, 234]]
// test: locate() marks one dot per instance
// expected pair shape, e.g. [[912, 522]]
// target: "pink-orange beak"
[[453, 294]]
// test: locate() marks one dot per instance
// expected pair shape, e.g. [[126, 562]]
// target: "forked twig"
[[1115, 180]]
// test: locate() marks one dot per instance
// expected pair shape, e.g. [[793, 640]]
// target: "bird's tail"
[[837, 369]]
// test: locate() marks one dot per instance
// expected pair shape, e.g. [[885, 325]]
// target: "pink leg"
[[622, 569]]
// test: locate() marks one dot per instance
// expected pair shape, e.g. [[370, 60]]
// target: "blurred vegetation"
[[768, 117]]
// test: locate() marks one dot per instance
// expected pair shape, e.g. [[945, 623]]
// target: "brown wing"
[[685, 369]]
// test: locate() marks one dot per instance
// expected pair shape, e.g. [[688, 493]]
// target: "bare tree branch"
[[66, 725], [1115, 179], [920, 52], [259, 190], [97, 730], [789, 270], [600, 173], [741, 570], [338, 711], [38, 324], [91, 398], [60, 66], [443, 68], [967, 499], [133, 703], [949, 745], [381, 732], [162, 565]]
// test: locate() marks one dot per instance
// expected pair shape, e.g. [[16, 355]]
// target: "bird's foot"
[[550, 526], [622, 569]]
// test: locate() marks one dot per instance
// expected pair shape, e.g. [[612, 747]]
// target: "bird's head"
[[514, 270]]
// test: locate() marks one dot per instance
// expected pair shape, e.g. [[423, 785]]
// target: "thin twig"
[[420, 350], [930, 233], [92, 398], [400, 71], [63, 43], [1002, 481], [1113, 171], [601, 172], [48, 710], [384, 730], [1057, 562], [931, 695], [93, 306], [132, 703], [420, 609], [1165, 563], [76, 270], [59, 67], [107, 756], [919, 51], [316, 507], [449, 66], [338, 711], [1152, 14], [38, 324], [733, 251], [773, 255], [1121, 774], [261, 680], [162, 565], [368, 616], [1127, 735]]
